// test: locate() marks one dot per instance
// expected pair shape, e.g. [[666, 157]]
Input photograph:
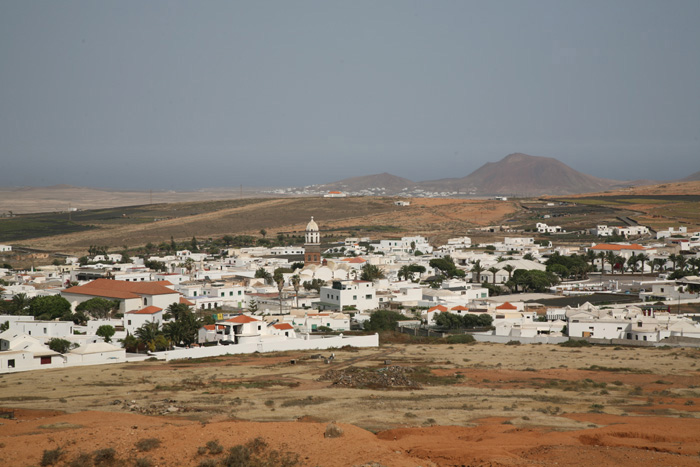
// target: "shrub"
[[51, 456], [460, 339], [147, 444], [575, 343], [83, 460], [144, 462], [214, 447], [105, 456], [513, 343]]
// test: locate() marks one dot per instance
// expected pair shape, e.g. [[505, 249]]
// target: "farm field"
[[396, 405], [138, 225]]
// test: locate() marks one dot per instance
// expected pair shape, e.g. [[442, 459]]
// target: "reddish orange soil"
[[614, 441]]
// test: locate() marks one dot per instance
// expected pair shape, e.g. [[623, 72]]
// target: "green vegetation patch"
[[24, 227]]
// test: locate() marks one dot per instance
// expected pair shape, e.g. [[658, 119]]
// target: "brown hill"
[[524, 175], [390, 183], [691, 178]]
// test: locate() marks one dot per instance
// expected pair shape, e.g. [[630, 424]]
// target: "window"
[[129, 322], [368, 296], [230, 294], [354, 297], [223, 294], [46, 360], [145, 301], [11, 363], [239, 292]]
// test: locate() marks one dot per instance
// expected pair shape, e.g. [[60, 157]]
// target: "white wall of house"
[[360, 294]]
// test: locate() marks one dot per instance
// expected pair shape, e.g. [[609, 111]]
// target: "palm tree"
[[493, 270], [371, 272], [610, 258], [147, 334], [279, 280], [602, 256], [20, 303], [296, 281], [694, 264], [591, 257], [509, 268], [476, 270], [620, 263], [682, 262], [632, 262], [405, 272], [643, 258], [173, 331], [674, 259], [658, 262]]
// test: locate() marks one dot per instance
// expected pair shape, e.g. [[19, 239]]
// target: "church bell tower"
[[312, 244]]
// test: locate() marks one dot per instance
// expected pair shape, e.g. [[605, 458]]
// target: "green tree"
[[278, 277], [383, 320], [148, 334], [314, 284], [20, 304], [4, 326], [156, 265], [509, 268], [493, 270], [296, 283], [262, 273], [106, 332], [371, 272], [49, 307], [61, 345], [184, 327], [98, 308], [476, 270], [263, 232], [252, 305], [194, 246], [447, 267], [404, 272]]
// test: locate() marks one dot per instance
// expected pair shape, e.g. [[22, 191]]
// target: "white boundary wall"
[[307, 343]]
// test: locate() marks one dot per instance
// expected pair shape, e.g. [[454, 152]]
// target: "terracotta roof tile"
[[149, 310]]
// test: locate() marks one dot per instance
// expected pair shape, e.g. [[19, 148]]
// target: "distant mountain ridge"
[[691, 178], [515, 175]]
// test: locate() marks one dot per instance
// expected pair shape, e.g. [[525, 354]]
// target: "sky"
[[181, 95]]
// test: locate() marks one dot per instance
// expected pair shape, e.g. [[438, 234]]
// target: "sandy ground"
[[63, 197], [484, 404]]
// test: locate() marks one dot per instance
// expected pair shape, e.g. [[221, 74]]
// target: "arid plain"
[[399, 404]]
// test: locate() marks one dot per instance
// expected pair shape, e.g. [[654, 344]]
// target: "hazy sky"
[[182, 95]]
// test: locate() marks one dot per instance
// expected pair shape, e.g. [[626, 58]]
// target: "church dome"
[[312, 226]]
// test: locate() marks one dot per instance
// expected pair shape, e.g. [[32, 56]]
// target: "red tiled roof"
[[438, 308], [184, 301], [506, 306], [149, 310], [121, 289], [615, 247], [356, 260], [282, 326], [241, 319], [459, 308]]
